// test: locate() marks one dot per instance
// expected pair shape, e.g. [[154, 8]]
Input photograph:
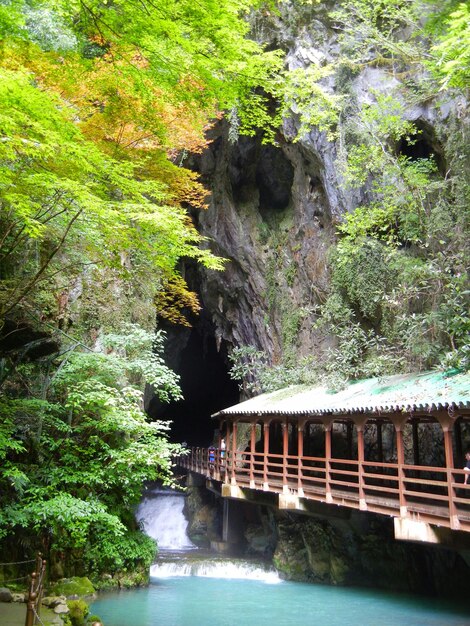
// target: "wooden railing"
[[36, 588], [436, 495]]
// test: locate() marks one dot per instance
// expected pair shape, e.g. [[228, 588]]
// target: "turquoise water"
[[194, 601]]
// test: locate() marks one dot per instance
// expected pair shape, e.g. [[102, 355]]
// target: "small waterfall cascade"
[[161, 516], [214, 567]]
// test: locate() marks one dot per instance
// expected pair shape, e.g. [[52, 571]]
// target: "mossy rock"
[[76, 587], [78, 611], [339, 570]]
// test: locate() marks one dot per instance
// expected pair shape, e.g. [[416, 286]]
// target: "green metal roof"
[[404, 392]]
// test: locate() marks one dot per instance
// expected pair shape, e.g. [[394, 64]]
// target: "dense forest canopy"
[[100, 103]]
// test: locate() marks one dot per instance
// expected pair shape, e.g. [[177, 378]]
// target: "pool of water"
[[195, 601]]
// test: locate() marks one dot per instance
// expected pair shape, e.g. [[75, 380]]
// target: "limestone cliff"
[[273, 208]]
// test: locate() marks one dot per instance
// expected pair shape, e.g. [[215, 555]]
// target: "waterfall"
[[214, 568], [161, 516]]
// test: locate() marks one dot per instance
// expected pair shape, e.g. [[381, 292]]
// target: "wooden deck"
[[435, 495]]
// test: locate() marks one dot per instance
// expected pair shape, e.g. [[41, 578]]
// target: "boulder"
[[5, 595], [19, 597], [73, 588], [53, 601], [61, 609]]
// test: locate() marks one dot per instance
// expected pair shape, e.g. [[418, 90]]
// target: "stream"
[[192, 588]]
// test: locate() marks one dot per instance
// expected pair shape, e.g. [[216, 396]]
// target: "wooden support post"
[[31, 603], [233, 450], [415, 430], [458, 442], [36, 588], [349, 439], [265, 456], [300, 454], [225, 524], [454, 518], [285, 452], [328, 495], [218, 451], [227, 453], [380, 445], [360, 467], [252, 454], [401, 471]]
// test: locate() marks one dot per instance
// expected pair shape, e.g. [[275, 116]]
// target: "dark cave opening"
[[265, 171], [274, 178], [415, 148], [207, 388], [423, 145]]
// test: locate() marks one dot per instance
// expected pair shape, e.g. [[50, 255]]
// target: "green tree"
[[74, 463]]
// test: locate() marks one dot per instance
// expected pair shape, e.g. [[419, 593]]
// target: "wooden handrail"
[[36, 589], [386, 487]]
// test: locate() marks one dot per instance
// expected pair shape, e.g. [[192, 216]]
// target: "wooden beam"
[[233, 450], [265, 455], [328, 462], [252, 454], [360, 467], [415, 436], [454, 519], [285, 453], [401, 471], [300, 454], [380, 445]]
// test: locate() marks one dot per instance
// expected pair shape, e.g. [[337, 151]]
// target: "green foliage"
[[316, 106], [362, 273], [451, 55], [250, 366], [133, 358], [78, 610], [97, 100], [76, 463], [372, 30], [74, 586], [401, 256], [399, 289], [124, 553], [66, 205]]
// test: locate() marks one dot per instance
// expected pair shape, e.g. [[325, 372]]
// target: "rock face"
[[273, 208], [270, 216], [204, 515]]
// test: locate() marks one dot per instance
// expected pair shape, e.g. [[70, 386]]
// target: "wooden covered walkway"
[[366, 447]]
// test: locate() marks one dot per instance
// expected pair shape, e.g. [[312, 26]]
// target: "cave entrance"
[[206, 386], [423, 145]]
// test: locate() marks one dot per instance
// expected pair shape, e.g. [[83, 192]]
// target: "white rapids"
[[161, 516], [213, 568]]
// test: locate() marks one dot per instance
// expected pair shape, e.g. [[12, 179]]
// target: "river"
[[190, 589]]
